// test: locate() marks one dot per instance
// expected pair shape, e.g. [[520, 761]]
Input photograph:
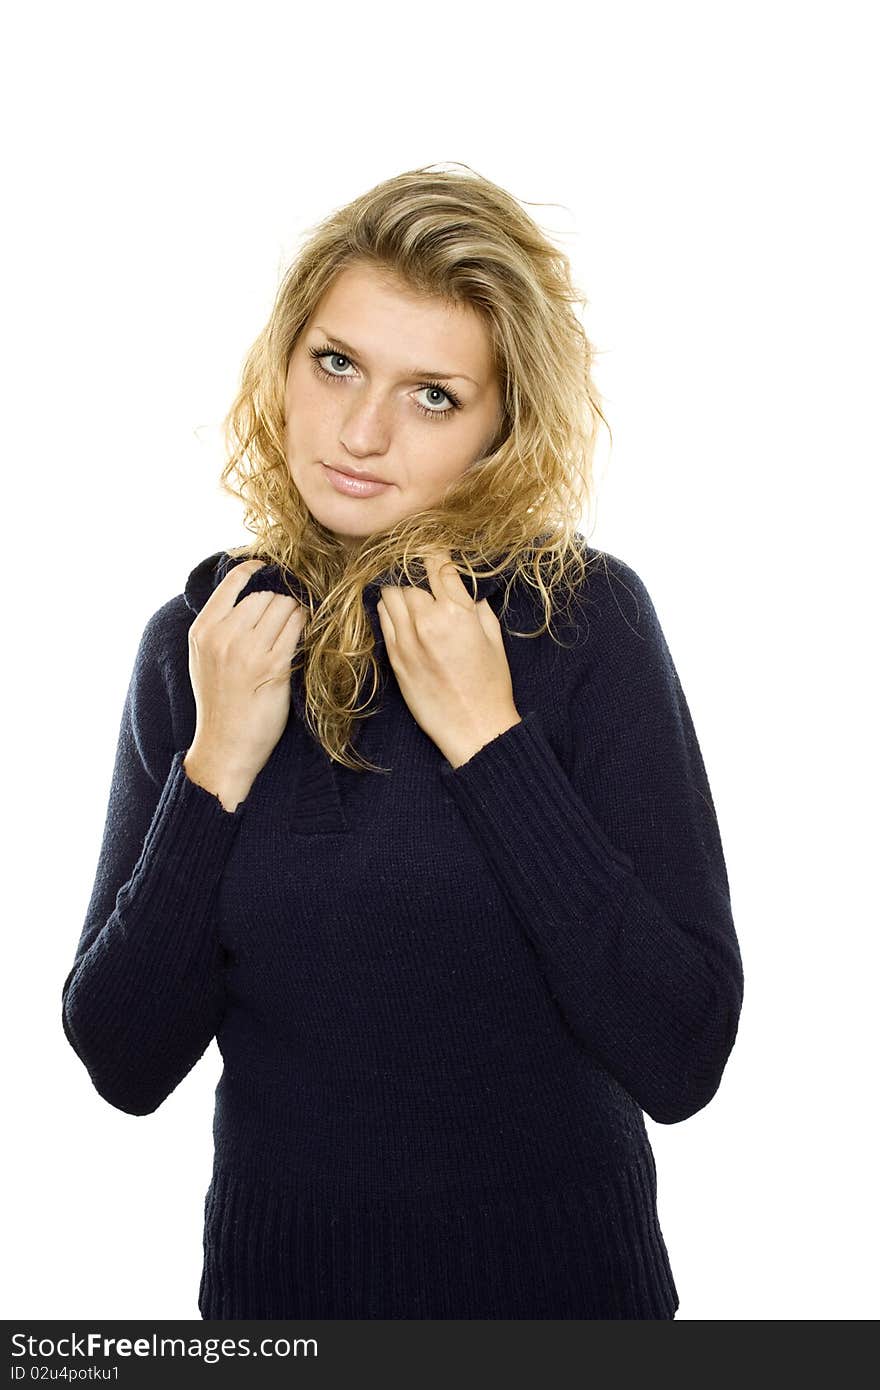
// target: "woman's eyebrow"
[[415, 371]]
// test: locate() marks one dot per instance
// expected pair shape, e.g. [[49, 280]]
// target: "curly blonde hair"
[[516, 511]]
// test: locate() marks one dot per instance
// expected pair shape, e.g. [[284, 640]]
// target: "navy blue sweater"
[[443, 997]]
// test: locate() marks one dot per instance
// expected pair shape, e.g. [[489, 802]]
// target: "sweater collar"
[[208, 573], [318, 807]]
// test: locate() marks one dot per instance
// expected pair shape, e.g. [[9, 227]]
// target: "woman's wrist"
[[213, 775]]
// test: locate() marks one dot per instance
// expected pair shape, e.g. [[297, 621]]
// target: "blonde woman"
[[408, 811]]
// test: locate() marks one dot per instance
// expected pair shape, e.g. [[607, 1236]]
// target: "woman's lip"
[[353, 487]]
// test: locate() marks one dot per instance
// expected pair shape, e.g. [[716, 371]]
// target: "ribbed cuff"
[[548, 851], [184, 853]]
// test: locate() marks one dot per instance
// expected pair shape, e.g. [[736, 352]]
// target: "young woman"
[[441, 874]]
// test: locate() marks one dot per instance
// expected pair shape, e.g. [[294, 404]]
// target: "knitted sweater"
[[443, 997]]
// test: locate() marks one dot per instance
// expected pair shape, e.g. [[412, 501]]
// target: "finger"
[[386, 622], [283, 627], [238, 574], [391, 597], [488, 619], [237, 578], [444, 578]]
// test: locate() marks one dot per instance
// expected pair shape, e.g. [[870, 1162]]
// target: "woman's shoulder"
[[617, 594], [610, 593], [605, 620], [607, 575]]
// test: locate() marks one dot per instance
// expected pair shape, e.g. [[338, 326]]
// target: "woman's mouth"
[[353, 487]]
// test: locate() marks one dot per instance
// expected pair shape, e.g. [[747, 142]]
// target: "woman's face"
[[366, 405]]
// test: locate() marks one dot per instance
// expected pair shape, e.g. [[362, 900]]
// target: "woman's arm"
[[615, 868], [145, 994]]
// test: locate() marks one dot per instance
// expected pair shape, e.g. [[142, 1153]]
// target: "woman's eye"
[[339, 356], [434, 411], [435, 391]]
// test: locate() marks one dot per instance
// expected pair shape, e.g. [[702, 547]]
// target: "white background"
[[710, 169]]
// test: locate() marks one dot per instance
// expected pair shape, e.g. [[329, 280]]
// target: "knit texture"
[[445, 998]]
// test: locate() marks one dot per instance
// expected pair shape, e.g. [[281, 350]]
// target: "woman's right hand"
[[239, 666]]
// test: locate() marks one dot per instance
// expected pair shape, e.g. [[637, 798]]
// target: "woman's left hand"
[[447, 653]]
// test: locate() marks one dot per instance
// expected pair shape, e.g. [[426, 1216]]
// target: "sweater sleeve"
[[613, 866], [145, 993]]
